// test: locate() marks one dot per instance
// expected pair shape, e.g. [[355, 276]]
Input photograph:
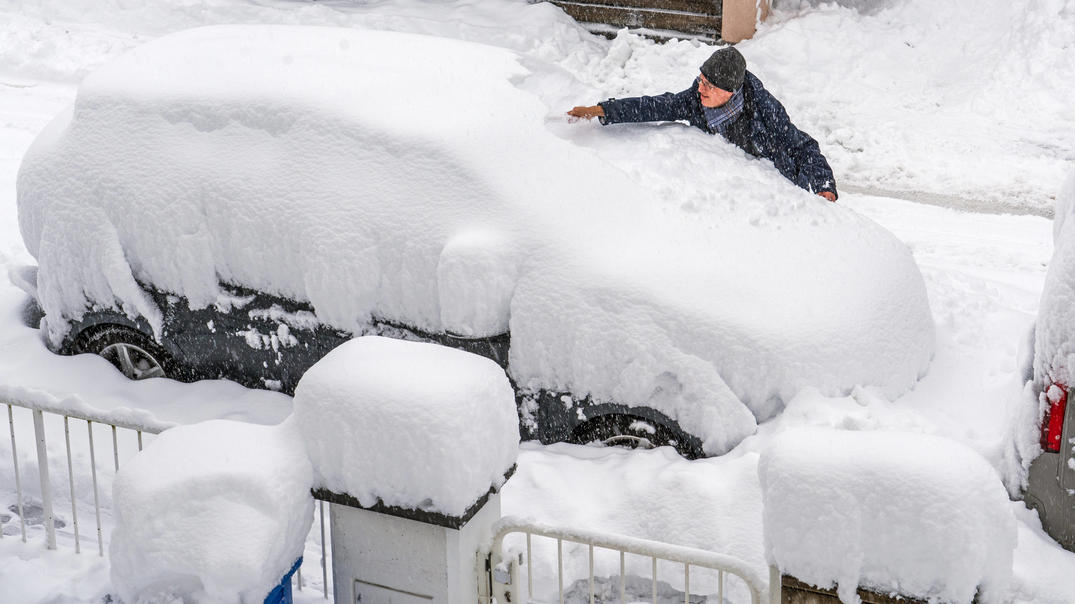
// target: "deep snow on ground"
[[870, 110]]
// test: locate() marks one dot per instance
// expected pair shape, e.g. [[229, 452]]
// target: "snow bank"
[[901, 92], [412, 425], [1054, 359], [314, 163], [896, 512], [217, 512]]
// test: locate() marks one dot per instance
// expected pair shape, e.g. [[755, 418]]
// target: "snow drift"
[[899, 512], [412, 179]]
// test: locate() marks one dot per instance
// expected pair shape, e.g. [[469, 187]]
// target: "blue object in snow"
[[281, 594]]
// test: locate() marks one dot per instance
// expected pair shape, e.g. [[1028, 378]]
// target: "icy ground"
[[926, 124]]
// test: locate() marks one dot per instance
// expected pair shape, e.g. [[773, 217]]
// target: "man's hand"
[[587, 113], [828, 195]]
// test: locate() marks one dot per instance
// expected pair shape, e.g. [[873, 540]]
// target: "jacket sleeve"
[[667, 107], [795, 153]]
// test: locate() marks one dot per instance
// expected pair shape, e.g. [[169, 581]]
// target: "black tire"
[[136, 355], [626, 431]]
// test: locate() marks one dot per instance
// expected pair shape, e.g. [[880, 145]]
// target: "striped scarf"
[[718, 118]]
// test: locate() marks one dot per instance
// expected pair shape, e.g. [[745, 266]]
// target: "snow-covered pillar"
[[884, 511], [404, 556], [410, 443]]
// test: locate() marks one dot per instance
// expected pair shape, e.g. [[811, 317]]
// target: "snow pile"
[[1054, 360], [900, 92], [306, 162], [217, 512], [409, 424], [895, 512]]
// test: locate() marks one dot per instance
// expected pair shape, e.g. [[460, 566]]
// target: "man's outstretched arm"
[[667, 107]]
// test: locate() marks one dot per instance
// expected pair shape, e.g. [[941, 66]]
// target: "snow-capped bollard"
[[212, 512], [410, 443], [893, 512]]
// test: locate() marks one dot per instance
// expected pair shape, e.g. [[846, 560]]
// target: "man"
[[727, 99]]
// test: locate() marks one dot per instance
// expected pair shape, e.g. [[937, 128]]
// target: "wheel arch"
[[688, 445], [92, 322]]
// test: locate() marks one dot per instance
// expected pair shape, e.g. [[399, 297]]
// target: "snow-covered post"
[[410, 443], [892, 512]]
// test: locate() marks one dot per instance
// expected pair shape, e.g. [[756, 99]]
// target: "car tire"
[[130, 351], [625, 431]]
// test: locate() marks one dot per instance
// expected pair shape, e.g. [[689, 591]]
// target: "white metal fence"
[[506, 565], [93, 422], [129, 431]]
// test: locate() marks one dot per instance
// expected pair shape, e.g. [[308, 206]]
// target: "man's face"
[[711, 95]]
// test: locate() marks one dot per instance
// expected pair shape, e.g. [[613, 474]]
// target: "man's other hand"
[[828, 195], [587, 113]]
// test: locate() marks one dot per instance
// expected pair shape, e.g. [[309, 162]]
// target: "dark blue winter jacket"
[[762, 130]]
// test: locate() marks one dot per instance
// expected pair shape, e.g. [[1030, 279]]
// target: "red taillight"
[[1052, 425]]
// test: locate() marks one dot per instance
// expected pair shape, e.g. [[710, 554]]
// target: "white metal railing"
[[502, 582], [39, 405]]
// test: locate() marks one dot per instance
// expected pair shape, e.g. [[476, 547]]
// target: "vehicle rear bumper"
[[1055, 504]]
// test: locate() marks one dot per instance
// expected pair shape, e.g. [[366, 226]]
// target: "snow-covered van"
[[236, 201], [1051, 481]]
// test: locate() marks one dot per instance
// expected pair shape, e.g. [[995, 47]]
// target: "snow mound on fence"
[[1054, 360], [308, 162], [217, 511], [408, 424], [895, 512]]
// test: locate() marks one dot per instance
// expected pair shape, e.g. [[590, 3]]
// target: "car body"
[[1051, 478], [235, 201]]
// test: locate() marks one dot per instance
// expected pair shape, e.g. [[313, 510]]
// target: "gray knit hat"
[[725, 69]]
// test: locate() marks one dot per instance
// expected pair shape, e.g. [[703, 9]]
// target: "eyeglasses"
[[704, 83]]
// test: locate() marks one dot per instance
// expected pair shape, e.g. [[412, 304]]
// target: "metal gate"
[[511, 575]]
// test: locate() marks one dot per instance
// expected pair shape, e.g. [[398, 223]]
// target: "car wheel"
[[136, 355], [625, 431]]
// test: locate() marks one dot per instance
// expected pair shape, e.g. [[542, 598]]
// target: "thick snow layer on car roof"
[[413, 179], [899, 512], [213, 512], [408, 424], [1054, 360]]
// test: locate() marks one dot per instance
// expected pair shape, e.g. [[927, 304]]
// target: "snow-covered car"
[[236, 201], [1051, 479]]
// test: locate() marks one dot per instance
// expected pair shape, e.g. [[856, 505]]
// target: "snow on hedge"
[[413, 179], [217, 512], [408, 424], [1054, 360], [899, 512]]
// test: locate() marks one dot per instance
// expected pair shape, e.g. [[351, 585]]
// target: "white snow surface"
[[923, 85], [211, 512], [984, 272], [304, 162], [900, 512], [408, 424], [1054, 359]]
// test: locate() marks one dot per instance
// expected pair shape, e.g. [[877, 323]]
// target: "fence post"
[[43, 472], [775, 587]]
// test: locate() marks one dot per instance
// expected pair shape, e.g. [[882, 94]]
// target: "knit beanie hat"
[[725, 69]]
